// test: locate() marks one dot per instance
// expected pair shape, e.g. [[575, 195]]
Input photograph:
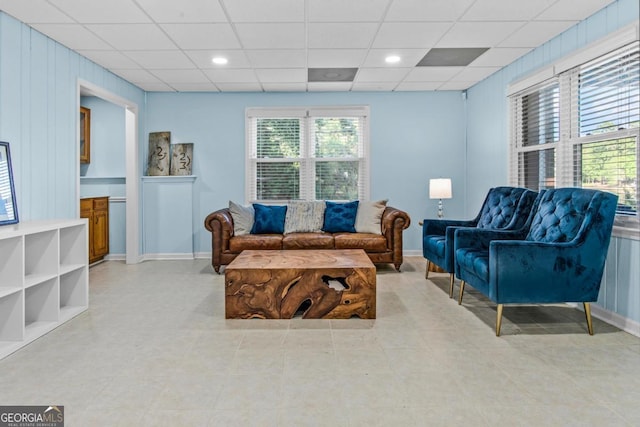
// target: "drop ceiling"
[[168, 45]]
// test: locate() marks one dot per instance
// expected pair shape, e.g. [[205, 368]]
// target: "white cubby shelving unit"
[[44, 278]]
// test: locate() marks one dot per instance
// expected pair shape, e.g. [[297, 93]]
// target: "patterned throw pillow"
[[268, 219], [340, 217], [369, 216], [242, 218], [304, 217]]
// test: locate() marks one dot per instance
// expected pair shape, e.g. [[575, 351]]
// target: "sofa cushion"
[[339, 217], [367, 241], [304, 217], [307, 241], [268, 219], [369, 215], [238, 244], [242, 218]]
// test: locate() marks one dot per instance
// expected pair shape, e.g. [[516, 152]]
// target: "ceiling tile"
[[202, 58], [474, 74], [102, 12], [183, 11], [415, 86], [285, 87], [265, 11], [433, 74], [34, 11], [381, 74], [346, 11], [271, 36], [158, 59], [536, 33], [499, 57], [421, 10], [408, 57], [505, 10], [335, 58], [202, 36], [281, 58], [282, 75], [133, 36], [194, 87], [232, 75], [340, 35], [374, 86], [239, 87], [566, 10], [329, 87], [478, 34], [181, 76], [109, 58], [74, 36], [409, 35], [137, 76]]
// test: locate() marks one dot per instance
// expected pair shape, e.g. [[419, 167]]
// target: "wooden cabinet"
[[96, 210]]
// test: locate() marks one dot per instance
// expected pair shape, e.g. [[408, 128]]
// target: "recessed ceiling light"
[[392, 59], [219, 60]]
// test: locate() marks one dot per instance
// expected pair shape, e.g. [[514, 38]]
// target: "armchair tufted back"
[[563, 212], [504, 205]]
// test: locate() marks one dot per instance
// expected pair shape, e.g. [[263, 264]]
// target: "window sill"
[[628, 231]]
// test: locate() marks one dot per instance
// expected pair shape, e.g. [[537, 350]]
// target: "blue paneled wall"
[[414, 136], [487, 144], [39, 115]]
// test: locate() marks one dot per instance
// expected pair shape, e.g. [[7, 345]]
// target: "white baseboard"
[[115, 257], [202, 255], [413, 252], [616, 320], [165, 257]]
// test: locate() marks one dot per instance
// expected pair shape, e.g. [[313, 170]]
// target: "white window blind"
[[581, 129], [307, 154]]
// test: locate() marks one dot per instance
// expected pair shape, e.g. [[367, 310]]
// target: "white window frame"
[[564, 71], [307, 157]]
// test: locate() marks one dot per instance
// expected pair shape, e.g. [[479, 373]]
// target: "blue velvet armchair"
[[503, 208], [559, 258]]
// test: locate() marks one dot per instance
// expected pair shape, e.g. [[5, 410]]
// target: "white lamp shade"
[[440, 188]]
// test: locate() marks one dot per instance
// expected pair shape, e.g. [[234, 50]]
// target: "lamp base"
[[440, 210]]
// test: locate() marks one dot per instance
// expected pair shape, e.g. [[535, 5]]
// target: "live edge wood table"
[[274, 284]]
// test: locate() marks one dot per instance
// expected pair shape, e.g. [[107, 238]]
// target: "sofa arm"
[[220, 224], [393, 223]]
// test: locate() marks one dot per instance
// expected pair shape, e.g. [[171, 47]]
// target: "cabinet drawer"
[[100, 203]]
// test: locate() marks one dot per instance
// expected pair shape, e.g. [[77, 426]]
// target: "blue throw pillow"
[[268, 219], [340, 217]]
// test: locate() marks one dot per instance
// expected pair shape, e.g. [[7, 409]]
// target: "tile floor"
[[154, 349]]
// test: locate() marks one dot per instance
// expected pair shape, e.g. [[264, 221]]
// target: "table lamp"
[[440, 188]]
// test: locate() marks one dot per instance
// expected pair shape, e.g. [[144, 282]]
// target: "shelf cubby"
[[11, 264], [44, 278], [40, 257]]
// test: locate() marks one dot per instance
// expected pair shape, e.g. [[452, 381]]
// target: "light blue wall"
[[39, 116], [105, 174], [487, 129], [414, 136]]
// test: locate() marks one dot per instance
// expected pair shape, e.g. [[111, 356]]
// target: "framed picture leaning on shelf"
[[8, 206], [85, 135]]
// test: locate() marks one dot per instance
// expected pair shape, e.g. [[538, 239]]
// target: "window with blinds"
[[307, 154], [584, 124]]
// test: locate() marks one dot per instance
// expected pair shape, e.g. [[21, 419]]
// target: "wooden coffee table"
[[274, 284]]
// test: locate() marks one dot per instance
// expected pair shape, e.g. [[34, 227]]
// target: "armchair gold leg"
[[451, 285], [498, 320], [461, 293], [426, 274], [587, 313]]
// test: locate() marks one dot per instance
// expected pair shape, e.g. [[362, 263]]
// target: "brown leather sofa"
[[381, 249]]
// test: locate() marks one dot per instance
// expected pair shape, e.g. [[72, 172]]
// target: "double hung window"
[[580, 128], [307, 154]]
